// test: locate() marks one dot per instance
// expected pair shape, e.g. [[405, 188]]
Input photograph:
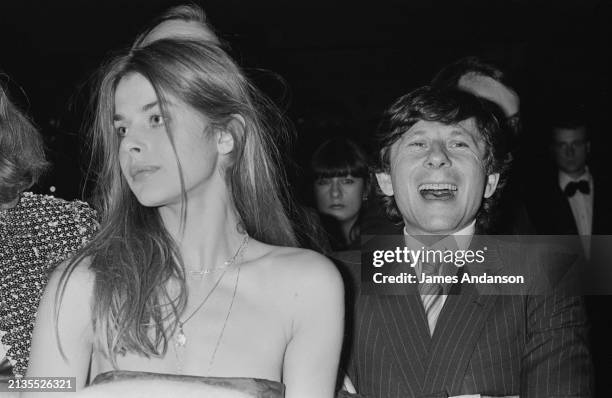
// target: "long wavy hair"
[[133, 256], [22, 155]]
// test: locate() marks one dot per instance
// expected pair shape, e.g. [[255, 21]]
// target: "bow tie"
[[572, 187]]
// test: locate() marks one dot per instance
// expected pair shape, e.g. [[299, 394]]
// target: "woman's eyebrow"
[[145, 108], [150, 105]]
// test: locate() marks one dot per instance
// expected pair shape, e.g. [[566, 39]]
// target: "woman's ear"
[[234, 128]]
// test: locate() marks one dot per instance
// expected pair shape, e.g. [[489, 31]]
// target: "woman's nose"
[[336, 190], [133, 142]]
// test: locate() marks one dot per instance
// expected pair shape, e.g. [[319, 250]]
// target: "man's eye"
[[121, 131], [323, 181], [459, 144], [348, 181], [157, 120], [417, 144]]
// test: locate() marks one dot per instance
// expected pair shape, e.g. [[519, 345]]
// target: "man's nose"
[[569, 151], [437, 156]]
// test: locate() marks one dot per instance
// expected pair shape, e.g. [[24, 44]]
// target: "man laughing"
[[441, 168]]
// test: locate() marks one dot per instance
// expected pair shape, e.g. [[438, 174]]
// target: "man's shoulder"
[[603, 182], [547, 262]]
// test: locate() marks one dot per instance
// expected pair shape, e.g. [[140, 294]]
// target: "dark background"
[[333, 65]]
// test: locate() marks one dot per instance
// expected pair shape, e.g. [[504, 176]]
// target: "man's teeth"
[[431, 187]]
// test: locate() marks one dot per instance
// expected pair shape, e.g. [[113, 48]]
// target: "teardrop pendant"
[[180, 338]]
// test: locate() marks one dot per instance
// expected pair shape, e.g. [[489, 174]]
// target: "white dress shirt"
[[459, 240], [581, 204]]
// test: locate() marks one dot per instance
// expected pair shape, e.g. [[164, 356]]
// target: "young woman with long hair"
[[194, 270]]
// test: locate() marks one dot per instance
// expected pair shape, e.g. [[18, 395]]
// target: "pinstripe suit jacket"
[[527, 345]]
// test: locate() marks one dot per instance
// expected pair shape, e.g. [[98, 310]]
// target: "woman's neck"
[[209, 235], [346, 227]]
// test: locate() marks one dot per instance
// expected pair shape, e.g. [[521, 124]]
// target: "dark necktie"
[[572, 187]]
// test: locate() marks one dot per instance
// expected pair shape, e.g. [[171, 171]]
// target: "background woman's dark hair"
[[337, 157], [22, 156], [446, 106]]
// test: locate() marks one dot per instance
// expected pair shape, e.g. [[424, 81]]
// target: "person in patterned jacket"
[[37, 232]]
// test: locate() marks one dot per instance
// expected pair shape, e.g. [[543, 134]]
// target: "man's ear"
[[234, 128], [491, 185], [384, 182]]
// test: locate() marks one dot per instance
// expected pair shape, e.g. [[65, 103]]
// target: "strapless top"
[[257, 388]]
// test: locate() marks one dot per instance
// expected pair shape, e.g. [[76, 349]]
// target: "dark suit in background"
[[550, 211]]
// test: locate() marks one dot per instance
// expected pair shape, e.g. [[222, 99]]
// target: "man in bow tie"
[[573, 200], [571, 148]]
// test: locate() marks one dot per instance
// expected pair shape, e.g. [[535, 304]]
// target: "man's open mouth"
[[438, 191]]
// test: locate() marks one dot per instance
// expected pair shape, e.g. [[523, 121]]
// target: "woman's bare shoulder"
[[79, 278], [294, 261], [300, 271]]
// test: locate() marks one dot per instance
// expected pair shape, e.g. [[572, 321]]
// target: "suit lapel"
[[602, 210], [399, 318], [457, 331], [565, 216], [404, 324]]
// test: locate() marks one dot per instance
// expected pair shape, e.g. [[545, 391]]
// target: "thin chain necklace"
[[180, 340], [205, 271]]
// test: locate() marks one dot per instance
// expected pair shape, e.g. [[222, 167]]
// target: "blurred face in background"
[[339, 197], [491, 89], [494, 91], [571, 148]]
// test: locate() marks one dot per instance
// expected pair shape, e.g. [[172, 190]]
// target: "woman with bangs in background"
[[341, 184]]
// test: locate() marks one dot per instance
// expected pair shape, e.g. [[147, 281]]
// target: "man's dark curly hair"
[[447, 106]]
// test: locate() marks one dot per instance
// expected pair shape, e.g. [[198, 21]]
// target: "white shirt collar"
[[565, 179], [461, 239]]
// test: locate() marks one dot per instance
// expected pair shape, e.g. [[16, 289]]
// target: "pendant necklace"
[[180, 340]]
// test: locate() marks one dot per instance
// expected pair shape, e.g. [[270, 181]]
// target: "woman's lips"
[[140, 172]]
